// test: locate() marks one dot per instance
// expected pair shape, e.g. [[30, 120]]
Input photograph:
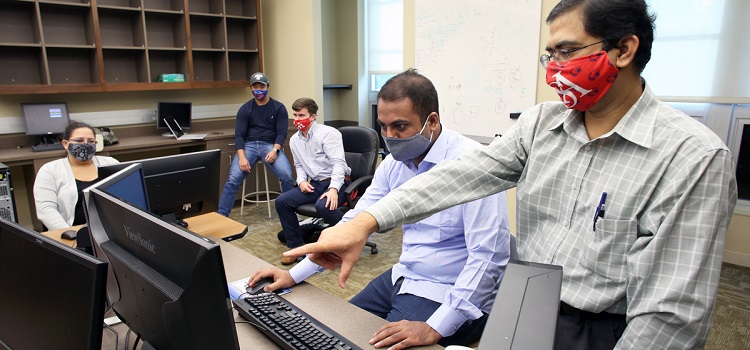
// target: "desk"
[[348, 320], [211, 225]]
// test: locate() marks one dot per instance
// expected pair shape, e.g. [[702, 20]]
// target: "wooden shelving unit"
[[53, 46]]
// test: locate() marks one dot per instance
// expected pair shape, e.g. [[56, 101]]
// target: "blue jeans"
[[287, 202], [254, 151], [381, 299]]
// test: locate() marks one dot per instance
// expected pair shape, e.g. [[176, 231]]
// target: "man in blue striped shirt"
[[443, 286]]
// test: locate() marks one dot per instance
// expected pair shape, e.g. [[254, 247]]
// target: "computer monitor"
[[127, 184], [181, 112], [51, 296], [45, 118], [179, 186], [169, 284], [524, 315]]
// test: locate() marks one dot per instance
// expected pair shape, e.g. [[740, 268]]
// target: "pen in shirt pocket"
[[600, 209]]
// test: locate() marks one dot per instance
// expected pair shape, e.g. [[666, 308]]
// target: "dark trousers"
[[288, 201], [380, 298], [578, 329]]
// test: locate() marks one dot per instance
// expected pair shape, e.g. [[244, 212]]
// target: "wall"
[[293, 55], [343, 60]]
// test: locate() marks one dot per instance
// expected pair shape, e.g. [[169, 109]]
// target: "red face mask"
[[302, 124], [583, 81]]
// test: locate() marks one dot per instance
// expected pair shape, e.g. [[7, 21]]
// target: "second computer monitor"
[[182, 113], [45, 118], [168, 284], [179, 186]]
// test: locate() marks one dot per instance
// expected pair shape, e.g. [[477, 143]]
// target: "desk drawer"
[[225, 145]]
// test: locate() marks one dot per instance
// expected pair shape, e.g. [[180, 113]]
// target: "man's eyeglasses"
[[89, 141], [562, 56]]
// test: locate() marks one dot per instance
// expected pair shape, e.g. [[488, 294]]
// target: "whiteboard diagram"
[[483, 57]]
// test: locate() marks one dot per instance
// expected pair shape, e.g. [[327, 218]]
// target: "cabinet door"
[[227, 152]]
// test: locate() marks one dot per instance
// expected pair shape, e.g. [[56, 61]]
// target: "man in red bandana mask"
[[322, 174], [631, 197]]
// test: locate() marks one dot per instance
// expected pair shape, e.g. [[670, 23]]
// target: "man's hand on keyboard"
[[405, 334], [281, 278]]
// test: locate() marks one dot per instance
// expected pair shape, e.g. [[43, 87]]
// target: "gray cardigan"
[[56, 194]]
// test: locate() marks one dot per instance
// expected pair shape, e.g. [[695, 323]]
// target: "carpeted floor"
[[731, 322]]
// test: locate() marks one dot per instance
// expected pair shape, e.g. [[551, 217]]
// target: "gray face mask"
[[410, 147], [81, 151]]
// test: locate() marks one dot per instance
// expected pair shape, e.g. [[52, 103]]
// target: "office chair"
[[361, 147]]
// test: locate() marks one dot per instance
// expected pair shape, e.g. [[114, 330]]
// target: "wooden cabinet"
[[227, 152], [52, 46]]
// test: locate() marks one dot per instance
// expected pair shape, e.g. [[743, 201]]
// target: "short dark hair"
[[414, 86], [613, 20], [74, 125], [305, 102]]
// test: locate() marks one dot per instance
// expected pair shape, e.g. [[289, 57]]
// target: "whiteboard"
[[482, 56]]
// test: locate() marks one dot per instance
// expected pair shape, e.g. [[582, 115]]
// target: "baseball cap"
[[258, 77]]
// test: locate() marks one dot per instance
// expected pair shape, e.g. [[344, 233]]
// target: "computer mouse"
[[258, 288], [69, 234]]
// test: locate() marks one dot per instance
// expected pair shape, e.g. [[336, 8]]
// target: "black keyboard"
[[47, 147], [289, 326]]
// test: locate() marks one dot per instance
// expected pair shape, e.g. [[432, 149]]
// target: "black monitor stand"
[[173, 219]]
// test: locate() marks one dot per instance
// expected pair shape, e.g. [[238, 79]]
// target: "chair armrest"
[[360, 185]]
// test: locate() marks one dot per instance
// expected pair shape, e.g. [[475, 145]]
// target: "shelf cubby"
[[242, 34], [120, 28], [167, 62], [18, 24], [164, 5], [134, 4], [69, 2], [125, 66], [72, 66], [209, 66], [241, 8], [242, 64], [165, 30], [67, 25], [21, 66], [207, 32], [215, 7]]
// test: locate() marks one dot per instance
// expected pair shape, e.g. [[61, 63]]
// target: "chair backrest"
[[361, 146]]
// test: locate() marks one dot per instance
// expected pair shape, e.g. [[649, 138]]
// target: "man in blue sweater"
[[259, 133]]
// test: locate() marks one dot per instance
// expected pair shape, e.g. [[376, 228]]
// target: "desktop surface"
[[213, 225], [348, 320]]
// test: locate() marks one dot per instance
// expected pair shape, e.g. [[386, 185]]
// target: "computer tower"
[[7, 200]]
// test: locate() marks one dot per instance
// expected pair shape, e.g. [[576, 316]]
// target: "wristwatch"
[[278, 150]]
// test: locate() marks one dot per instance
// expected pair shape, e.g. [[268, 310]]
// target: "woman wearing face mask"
[[59, 184]]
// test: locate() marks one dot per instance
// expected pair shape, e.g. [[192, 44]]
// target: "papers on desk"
[[239, 287]]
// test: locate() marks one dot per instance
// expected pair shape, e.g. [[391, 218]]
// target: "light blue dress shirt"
[[320, 156], [455, 257]]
